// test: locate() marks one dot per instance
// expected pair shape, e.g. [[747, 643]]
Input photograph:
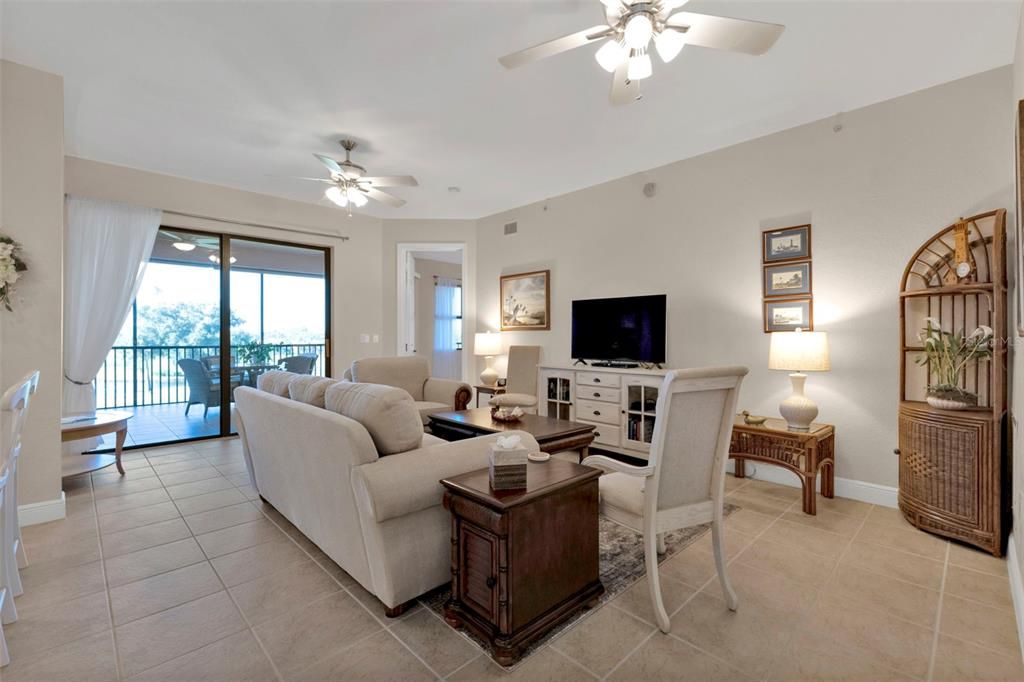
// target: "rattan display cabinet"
[[953, 471]]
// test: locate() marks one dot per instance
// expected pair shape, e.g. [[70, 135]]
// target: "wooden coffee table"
[[522, 560], [552, 435]]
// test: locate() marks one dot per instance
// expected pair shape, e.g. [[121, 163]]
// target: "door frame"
[[405, 295]]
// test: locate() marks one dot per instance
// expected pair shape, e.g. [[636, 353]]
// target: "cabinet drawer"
[[606, 434], [605, 413], [605, 395], [598, 379]]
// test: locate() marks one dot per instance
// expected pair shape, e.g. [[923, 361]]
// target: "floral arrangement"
[[947, 354], [11, 267]]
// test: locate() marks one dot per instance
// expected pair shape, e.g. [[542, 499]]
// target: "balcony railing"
[[149, 375]]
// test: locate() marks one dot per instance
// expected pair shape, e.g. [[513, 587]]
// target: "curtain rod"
[[244, 223], [299, 230]]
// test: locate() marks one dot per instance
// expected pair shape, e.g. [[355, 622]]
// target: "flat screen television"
[[630, 329]]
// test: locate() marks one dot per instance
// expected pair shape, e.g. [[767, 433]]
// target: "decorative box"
[[507, 464]]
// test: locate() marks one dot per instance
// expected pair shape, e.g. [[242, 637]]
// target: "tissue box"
[[507, 464]]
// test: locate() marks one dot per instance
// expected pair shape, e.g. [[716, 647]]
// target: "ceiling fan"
[[630, 27], [350, 186]]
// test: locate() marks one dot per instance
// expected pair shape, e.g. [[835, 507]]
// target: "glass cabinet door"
[[641, 400], [558, 403]]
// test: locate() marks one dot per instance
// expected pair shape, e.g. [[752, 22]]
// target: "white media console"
[[620, 403]]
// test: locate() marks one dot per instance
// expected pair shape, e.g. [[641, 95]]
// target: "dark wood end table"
[[522, 560], [803, 453], [552, 435]]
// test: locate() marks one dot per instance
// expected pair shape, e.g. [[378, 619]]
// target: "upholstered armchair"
[[431, 394], [521, 387], [683, 483]]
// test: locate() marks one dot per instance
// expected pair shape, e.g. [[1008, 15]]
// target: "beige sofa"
[[412, 374], [350, 466]]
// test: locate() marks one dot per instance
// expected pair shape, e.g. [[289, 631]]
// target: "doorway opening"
[[431, 304]]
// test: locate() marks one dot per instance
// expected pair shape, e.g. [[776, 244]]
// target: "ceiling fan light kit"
[[351, 186], [631, 27]]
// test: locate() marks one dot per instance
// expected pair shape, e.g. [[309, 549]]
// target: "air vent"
[[511, 228]]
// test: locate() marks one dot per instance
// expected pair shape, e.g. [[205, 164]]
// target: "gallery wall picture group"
[[786, 279], [526, 301]]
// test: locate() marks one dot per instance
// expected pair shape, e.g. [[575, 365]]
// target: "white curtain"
[[447, 318], [108, 245]]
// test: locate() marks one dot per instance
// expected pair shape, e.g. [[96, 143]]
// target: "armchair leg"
[[206, 408], [187, 408], [654, 583], [661, 543], [716, 540]]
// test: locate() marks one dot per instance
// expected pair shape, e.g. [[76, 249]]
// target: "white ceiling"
[[242, 94]]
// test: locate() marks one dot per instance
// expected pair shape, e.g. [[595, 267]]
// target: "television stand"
[[615, 364]]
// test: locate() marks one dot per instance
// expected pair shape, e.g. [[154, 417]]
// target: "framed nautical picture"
[[787, 244], [526, 301], [786, 315], [787, 280]]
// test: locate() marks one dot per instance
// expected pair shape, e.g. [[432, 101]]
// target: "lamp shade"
[[487, 343], [799, 351]]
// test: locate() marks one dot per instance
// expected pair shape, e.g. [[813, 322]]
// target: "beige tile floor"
[[178, 572]]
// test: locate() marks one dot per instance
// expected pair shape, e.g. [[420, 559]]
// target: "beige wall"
[[1016, 357], [32, 150], [426, 302], [897, 172], [355, 263]]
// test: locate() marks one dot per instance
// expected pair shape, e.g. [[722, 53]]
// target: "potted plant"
[[254, 353], [946, 355]]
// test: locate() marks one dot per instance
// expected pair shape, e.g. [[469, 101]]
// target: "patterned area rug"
[[622, 565]]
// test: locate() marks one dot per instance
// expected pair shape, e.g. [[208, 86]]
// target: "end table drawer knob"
[[491, 582]]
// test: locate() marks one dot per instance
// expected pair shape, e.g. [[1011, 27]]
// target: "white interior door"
[[407, 333]]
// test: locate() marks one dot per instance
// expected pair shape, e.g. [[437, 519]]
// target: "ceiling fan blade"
[[383, 197], [723, 33], [390, 180], [556, 46], [331, 164], [298, 177], [624, 90]]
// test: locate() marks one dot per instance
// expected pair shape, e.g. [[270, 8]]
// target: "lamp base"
[[489, 377], [798, 410]]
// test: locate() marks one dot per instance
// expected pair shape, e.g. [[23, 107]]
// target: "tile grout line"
[[696, 592], [118, 668], [938, 617]]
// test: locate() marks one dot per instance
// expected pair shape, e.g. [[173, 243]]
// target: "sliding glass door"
[[279, 309], [264, 305]]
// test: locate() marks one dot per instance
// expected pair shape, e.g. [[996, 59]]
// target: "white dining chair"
[[14, 405], [19, 547], [683, 484]]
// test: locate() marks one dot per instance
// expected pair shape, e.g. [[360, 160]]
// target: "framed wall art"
[[787, 315], [526, 301], [787, 244], [787, 280]]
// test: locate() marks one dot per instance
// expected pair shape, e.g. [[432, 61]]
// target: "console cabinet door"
[[556, 389], [478, 570], [639, 403]]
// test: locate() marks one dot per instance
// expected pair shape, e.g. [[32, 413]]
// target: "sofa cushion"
[[309, 389], [275, 381], [388, 413], [407, 373], [426, 408]]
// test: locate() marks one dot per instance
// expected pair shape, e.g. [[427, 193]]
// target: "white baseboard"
[[41, 512], [1016, 588], [872, 493]]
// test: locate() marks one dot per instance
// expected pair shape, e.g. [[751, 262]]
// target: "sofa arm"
[[447, 391], [409, 482]]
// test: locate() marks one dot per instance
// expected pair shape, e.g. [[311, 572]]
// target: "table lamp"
[[799, 352], [488, 345]]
